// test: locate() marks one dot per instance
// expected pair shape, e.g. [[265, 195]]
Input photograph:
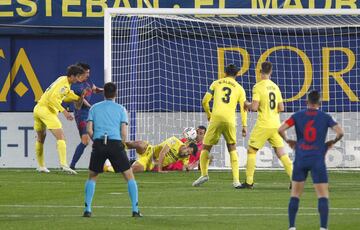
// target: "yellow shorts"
[[45, 119], [216, 128], [259, 136], [146, 159]]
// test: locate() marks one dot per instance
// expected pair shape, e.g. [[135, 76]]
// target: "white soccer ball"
[[190, 133]]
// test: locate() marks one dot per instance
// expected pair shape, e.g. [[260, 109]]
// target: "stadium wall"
[[17, 139]]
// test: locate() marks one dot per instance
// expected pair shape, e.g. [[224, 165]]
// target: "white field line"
[[171, 207], [174, 215], [211, 169], [162, 182]]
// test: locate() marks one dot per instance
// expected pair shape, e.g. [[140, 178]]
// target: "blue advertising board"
[[29, 64]]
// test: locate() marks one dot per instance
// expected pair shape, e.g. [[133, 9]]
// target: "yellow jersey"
[[226, 93], [268, 94], [56, 93], [174, 154]]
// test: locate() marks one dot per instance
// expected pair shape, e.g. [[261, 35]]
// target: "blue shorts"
[[81, 120], [316, 166]]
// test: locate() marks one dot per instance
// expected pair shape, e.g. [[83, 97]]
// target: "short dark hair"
[[266, 67], [202, 127], [74, 70], [109, 90], [231, 70], [313, 97], [83, 65], [194, 147]]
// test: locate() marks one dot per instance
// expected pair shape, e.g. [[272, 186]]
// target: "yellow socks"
[[39, 150], [204, 162], [285, 160], [234, 165], [61, 148], [250, 165]]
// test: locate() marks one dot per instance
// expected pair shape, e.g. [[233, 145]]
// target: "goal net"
[[164, 60]]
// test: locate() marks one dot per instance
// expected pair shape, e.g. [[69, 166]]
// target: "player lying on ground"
[[311, 126], [193, 159], [161, 155]]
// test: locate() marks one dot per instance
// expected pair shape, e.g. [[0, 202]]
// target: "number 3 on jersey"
[[226, 98]]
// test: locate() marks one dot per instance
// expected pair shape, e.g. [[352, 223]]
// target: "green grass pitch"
[[29, 200]]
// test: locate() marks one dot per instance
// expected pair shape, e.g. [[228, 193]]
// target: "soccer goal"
[[164, 60]]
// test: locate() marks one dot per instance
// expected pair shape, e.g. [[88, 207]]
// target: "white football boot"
[[201, 180], [43, 170], [66, 169]]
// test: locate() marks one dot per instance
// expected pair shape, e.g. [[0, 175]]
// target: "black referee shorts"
[[114, 150]]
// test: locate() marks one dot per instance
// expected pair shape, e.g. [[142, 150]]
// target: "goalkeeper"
[[46, 115], [161, 155], [193, 159]]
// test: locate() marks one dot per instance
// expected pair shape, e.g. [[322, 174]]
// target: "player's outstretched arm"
[[243, 111], [339, 134], [206, 104], [96, 89], [71, 96]]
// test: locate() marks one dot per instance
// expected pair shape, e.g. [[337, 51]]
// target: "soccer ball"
[[190, 133]]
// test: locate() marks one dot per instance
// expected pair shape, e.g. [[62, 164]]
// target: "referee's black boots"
[[87, 214], [136, 214]]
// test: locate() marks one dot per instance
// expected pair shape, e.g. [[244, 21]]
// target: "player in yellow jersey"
[[46, 115], [226, 93], [162, 155], [268, 102]]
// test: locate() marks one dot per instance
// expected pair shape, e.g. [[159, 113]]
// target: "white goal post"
[[164, 60]]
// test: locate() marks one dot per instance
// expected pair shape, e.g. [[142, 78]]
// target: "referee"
[[107, 126]]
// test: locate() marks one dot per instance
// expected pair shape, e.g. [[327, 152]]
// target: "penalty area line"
[[172, 207], [174, 215]]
